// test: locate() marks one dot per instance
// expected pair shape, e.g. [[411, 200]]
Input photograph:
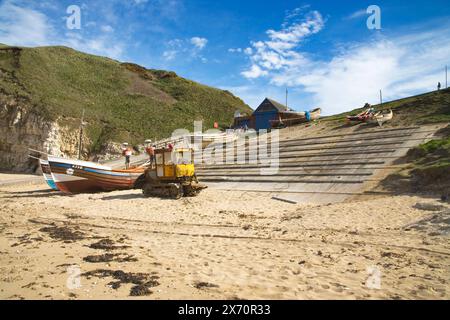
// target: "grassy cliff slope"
[[122, 101], [427, 108]]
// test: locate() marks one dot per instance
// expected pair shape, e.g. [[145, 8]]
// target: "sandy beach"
[[219, 245]]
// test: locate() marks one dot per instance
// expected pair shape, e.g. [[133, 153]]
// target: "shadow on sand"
[[45, 193]]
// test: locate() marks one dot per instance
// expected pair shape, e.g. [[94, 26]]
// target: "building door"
[[262, 120]]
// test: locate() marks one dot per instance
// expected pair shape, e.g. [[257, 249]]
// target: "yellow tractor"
[[172, 175]]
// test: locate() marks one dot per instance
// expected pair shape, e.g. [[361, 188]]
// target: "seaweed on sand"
[[142, 281]]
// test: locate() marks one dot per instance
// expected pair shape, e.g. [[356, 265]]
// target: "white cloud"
[[400, 66], [107, 28], [98, 45], [28, 27], [169, 55], [347, 80], [235, 50], [90, 24], [278, 51], [199, 43], [175, 43], [49, 4], [23, 26], [293, 34], [357, 14], [189, 48], [248, 51], [254, 72]]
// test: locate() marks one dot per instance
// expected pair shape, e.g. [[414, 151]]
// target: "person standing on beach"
[[127, 152], [439, 86]]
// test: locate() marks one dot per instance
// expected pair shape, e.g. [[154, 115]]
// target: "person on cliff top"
[[127, 153]]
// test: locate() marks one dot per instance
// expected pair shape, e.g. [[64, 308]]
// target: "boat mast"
[[381, 98], [286, 97], [81, 136]]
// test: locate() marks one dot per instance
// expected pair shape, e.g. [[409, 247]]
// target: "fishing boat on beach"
[[46, 172], [76, 176]]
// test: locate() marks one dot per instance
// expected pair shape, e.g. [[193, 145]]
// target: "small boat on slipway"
[[381, 117], [290, 118], [76, 176]]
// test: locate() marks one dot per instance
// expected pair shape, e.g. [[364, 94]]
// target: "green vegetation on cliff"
[[427, 108], [427, 167], [122, 101], [431, 161]]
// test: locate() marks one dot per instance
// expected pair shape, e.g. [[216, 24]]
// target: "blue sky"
[[322, 51]]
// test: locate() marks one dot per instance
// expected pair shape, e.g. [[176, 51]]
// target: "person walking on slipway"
[[150, 150]]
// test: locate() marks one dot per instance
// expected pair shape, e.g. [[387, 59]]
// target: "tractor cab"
[[174, 164], [173, 174]]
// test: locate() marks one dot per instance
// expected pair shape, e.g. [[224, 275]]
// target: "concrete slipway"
[[323, 168], [318, 167]]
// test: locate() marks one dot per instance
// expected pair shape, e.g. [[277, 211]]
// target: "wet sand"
[[219, 245]]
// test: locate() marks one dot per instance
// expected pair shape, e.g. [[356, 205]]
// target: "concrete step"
[[327, 163], [285, 174], [289, 171], [295, 149], [286, 154], [299, 142], [360, 145], [363, 136], [369, 142], [351, 136], [292, 169], [363, 132], [297, 155], [281, 179], [401, 138], [297, 164]]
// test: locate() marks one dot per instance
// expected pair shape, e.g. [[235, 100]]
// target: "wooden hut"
[[267, 111], [272, 114]]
